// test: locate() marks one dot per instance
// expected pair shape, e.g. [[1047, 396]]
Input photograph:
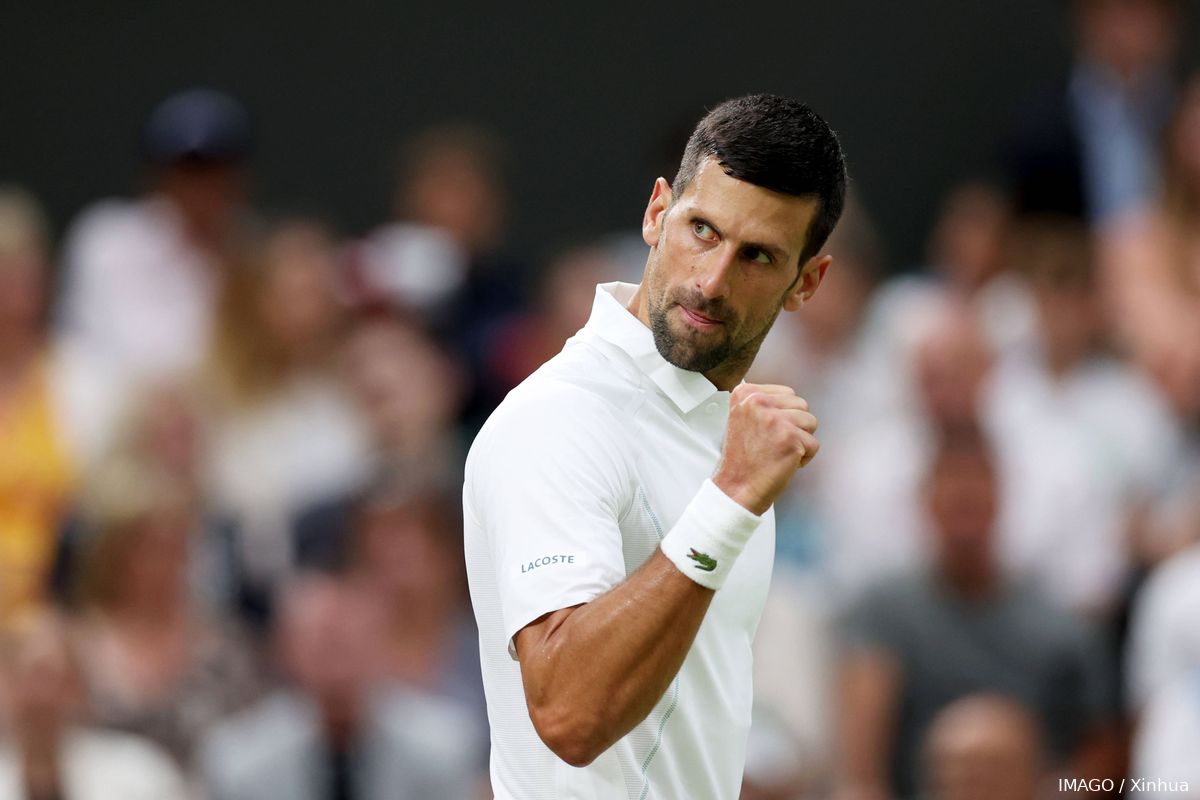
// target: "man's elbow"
[[576, 737]]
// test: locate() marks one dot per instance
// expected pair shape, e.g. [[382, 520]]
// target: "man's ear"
[[656, 212], [811, 275]]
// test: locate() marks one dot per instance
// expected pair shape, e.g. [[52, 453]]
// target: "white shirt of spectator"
[[138, 293], [267, 463], [570, 486], [1168, 739], [415, 266], [137, 304], [99, 765], [1164, 639], [1071, 477]]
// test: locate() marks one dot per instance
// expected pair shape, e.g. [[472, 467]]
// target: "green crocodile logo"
[[703, 560]]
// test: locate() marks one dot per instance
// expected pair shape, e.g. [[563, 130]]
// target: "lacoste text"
[[546, 560]]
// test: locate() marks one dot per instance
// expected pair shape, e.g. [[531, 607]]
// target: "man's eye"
[[703, 231], [758, 256]]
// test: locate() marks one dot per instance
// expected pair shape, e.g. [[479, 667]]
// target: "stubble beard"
[[686, 351], [679, 350]]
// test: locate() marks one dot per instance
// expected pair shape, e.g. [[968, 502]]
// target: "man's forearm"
[[593, 672]]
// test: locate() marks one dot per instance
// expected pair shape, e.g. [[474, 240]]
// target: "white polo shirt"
[[570, 486]]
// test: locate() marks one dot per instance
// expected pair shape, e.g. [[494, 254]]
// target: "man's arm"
[[594, 671]]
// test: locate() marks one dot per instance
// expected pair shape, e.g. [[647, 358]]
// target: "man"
[[919, 642], [1089, 146], [141, 277], [337, 730], [617, 490]]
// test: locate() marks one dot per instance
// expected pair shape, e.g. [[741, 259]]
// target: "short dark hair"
[[779, 144]]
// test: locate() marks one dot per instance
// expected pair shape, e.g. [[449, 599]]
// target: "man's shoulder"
[[1041, 623], [570, 418]]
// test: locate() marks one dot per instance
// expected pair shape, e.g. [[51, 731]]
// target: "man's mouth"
[[699, 320]]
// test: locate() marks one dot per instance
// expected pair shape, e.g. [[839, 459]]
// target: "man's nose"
[[714, 271]]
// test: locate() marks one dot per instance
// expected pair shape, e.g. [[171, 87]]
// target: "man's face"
[[724, 260], [961, 503]]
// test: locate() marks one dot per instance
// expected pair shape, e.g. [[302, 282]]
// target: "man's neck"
[[639, 306]]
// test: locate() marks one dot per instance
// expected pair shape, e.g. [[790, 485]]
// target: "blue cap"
[[200, 125]]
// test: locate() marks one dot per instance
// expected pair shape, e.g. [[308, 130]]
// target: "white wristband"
[[709, 536]]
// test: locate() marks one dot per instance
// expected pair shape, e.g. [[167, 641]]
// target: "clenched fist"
[[770, 435]]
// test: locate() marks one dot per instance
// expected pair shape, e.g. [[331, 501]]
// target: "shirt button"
[[711, 408]]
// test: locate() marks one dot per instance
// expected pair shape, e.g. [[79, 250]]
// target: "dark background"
[[586, 95]]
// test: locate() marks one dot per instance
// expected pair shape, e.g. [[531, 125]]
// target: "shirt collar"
[[612, 322]]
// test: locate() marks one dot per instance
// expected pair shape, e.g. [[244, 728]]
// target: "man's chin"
[[691, 358], [686, 347]]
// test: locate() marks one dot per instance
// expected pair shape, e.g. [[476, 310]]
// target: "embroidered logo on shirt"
[[703, 560]]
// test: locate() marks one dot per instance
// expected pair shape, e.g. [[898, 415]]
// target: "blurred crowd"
[[231, 446]]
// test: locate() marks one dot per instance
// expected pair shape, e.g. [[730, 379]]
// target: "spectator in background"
[[984, 747], [407, 560], [332, 734], [1168, 739], [966, 266], [408, 392], [1073, 480], [918, 643], [162, 432], [36, 467], [451, 180], [1089, 147], [283, 433], [158, 663], [1076, 476], [47, 752], [1164, 640], [563, 302], [1152, 269], [1163, 676], [142, 277], [413, 263], [399, 543], [873, 507]]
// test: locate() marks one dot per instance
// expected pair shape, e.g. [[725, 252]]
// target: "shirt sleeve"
[[549, 479]]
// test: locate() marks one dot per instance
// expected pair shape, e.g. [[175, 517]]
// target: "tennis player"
[[618, 523]]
